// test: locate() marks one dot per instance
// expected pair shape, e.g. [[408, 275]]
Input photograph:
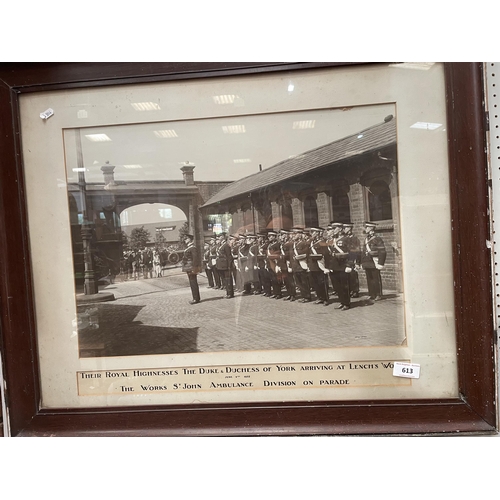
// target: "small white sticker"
[[407, 370], [47, 114]]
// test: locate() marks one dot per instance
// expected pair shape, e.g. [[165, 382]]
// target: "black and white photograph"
[[254, 232]]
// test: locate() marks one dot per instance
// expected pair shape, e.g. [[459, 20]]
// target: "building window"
[[311, 212], [340, 206], [379, 201]]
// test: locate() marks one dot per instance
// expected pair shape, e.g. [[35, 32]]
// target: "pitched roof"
[[372, 138]]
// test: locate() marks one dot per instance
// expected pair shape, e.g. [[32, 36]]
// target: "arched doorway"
[[379, 201], [159, 223]]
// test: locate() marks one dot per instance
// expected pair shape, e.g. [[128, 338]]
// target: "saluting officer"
[[373, 260], [190, 265]]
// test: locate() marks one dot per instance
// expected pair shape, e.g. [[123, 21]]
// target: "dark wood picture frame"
[[473, 412]]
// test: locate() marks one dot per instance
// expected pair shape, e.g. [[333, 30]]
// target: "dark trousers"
[[193, 283], [302, 279], [210, 277], [353, 281], [289, 284], [227, 278], [340, 283], [374, 282], [217, 277], [265, 280], [238, 279], [318, 284], [275, 283]]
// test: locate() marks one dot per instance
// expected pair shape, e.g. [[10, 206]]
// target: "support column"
[[324, 204], [298, 213], [276, 212], [357, 205]]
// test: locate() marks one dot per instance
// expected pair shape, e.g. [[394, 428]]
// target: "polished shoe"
[[344, 308], [194, 302], [257, 293], [292, 299], [229, 296], [355, 295], [340, 306], [377, 298], [287, 297], [318, 301], [326, 303], [278, 297]]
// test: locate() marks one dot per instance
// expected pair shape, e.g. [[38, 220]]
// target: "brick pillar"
[[298, 212], [276, 211], [357, 205], [324, 204]]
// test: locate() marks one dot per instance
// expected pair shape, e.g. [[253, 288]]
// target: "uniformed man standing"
[[253, 263], [264, 276], [212, 263], [317, 253], [191, 266], [354, 258], [206, 265], [300, 268], [273, 255], [286, 244], [373, 260], [236, 242], [340, 266], [224, 263]]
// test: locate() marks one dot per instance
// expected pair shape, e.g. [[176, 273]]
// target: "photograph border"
[[474, 411]]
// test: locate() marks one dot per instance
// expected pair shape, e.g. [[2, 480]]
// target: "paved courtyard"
[[153, 316]]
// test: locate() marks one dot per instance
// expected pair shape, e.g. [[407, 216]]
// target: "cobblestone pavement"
[[153, 316]]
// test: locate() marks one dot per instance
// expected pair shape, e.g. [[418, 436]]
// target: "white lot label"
[[407, 370]]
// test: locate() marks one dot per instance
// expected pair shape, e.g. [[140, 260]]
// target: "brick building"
[[353, 179]]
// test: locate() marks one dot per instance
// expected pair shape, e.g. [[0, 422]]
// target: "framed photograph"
[[246, 249]]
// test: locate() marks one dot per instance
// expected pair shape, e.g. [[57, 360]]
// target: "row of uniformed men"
[[306, 259]]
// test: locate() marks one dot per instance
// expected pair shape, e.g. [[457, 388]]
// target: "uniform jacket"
[[373, 248], [317, 247], [190, 262], [224, 260], [339, 253], [300, 250], [273, 254], [354, 249]]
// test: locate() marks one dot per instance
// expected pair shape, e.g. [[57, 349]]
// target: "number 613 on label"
[[407, 370]]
